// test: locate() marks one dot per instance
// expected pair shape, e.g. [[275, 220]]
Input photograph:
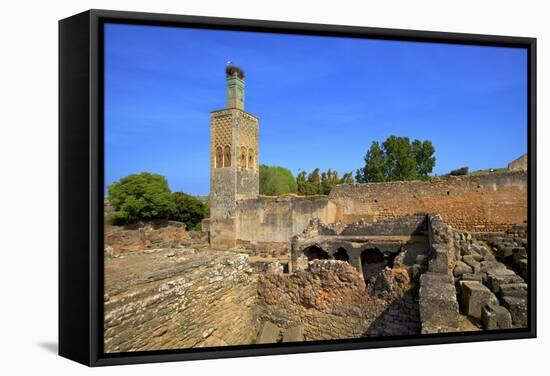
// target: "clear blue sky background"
[[321, 100]]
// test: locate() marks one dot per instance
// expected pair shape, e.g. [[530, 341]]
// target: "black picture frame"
[[81, 185]]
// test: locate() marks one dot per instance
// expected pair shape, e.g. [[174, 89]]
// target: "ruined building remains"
[[380, 259], [241, 218]]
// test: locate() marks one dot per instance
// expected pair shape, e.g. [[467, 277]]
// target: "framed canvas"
[[235, 187]]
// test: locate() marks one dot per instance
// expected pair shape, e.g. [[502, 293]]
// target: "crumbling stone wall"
[[519, 164], [268, 220], [437, 301], [477, 203], [404, 235], [329, 300], [149, 235], [490, 276], [491, 202], [179, 298]]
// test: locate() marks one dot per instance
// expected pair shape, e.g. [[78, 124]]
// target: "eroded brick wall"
[[484, 203]]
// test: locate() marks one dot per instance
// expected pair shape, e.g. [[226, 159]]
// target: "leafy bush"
[[146, 196], [275, 181], [189, 209], [139, 197]]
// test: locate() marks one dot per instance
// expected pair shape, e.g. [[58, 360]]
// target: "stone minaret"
[[234, 170]]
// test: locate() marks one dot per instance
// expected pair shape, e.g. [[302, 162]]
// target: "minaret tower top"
[[235, 87]]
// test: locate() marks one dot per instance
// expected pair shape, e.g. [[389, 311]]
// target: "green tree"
[[320, 183], [423, 153], [138, 197], [400, 163], [375, 165], [313, 183], [397, 159], [347, 178], [301, 182], [276, 180], [189, 209]]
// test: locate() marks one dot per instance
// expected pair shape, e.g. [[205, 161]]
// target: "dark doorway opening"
[[315, 253], [342, 255], [372, 262]]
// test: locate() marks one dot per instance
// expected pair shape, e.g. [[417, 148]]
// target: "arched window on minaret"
[[219, 157], [251, 160], [227, 156], [243, 158]]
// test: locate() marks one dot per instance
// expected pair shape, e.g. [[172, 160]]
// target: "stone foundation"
[[179, 298]]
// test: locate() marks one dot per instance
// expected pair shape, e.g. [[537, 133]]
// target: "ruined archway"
[[372, 262], [219, 157], [251, 162], [227, 156], [315, 253], [341, 254], [243, 158]]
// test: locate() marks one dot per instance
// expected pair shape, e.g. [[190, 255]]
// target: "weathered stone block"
[[517, 308], [269, 333], [274, 267], [461, 268], [294, 334], [476, 256], [489, 257], [474, 296], [505, 251], [470, 261], [440, 260], [516, 290], [495, 280], [437, 304], [495, 317], [472, 277], [482, 250], [494, 266], [417, 270]]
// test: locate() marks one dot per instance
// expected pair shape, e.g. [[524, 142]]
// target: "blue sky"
[[321, 100]]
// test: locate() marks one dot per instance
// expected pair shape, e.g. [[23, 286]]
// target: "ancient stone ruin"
[[380, 259]]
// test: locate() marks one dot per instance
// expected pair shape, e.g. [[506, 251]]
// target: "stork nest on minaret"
[[231, 70]]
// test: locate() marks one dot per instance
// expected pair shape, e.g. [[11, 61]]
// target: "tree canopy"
[[138, 197], [146, 196], [276, 180], [320, 183], [397, 159], [189, 209]]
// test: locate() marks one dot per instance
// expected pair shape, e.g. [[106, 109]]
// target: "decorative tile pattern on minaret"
[[234, 158]]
